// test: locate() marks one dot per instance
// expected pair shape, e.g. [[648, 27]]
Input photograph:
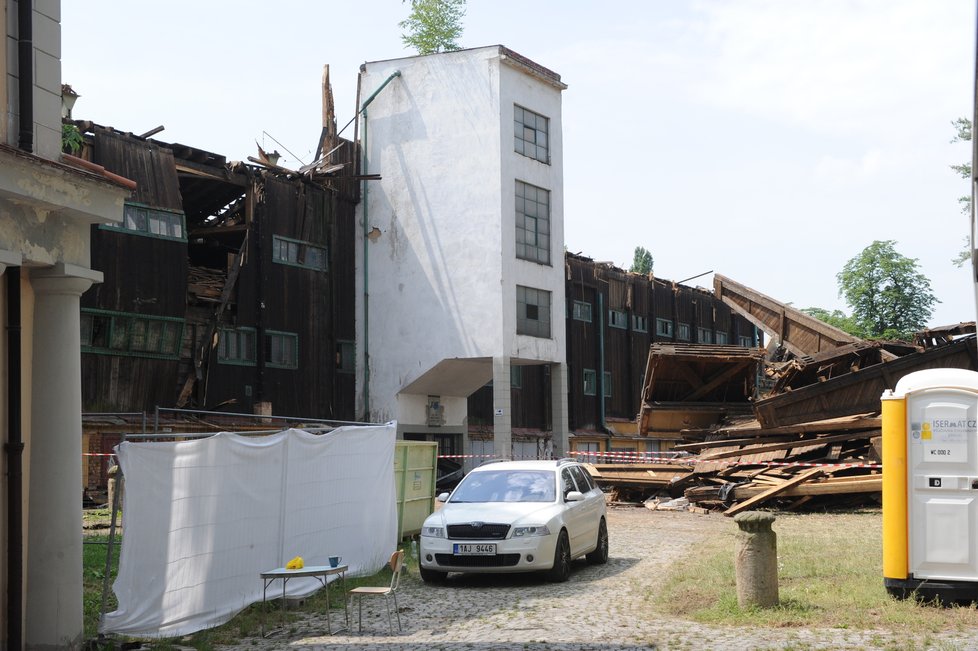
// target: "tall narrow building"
[[460, 265]]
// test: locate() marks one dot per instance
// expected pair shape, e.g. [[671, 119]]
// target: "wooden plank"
[[841, 424], [771, 492], [781, 446]]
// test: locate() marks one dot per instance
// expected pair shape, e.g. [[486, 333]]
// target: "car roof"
[[542, 464]]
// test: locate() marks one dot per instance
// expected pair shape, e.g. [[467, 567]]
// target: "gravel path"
[[600, 607]]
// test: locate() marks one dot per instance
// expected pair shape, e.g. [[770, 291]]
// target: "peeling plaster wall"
[[43, 238], [442, 271]]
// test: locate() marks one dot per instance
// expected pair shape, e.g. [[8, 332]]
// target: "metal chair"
[[388, 592]]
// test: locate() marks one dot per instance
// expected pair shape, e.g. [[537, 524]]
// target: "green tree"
[[838, 319], [433, 25], [642, 261], [962, 128], [889, 297]]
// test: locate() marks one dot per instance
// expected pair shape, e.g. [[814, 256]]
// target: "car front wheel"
[[600, 554], [433, 576], [560, 571]]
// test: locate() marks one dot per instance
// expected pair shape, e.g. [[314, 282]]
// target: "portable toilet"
[[930, 486]]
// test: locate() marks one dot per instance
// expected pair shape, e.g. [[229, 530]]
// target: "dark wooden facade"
[[227, 273], [613, 317]]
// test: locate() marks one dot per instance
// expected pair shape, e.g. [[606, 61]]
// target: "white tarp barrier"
[[202, 518]]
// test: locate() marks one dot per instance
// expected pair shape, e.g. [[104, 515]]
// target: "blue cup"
[[334, 560]]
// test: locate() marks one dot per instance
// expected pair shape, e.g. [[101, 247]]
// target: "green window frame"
[[640, 323], [745, 341], [683, 332], [108, 332], [663, 327], [298, 253], [720, 337], [281, 349], [532, 312], [346, 356], [532, 223], [237, 346], [515, 377], [582, 311], [532, 134], [590, 382], [704, 336], [617, 319], [607, 384], [150, 221]]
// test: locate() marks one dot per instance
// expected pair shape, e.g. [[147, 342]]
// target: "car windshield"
[[507, 486]]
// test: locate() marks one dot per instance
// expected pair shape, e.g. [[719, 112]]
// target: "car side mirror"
[[574, 496], [443, 497]]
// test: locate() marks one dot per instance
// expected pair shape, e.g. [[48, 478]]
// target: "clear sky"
[[767, 140]]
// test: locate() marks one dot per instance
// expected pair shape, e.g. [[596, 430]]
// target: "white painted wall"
[[442, 274]]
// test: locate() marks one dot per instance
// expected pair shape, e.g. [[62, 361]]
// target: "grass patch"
[[247, 623], [830, 572], [94, 550]]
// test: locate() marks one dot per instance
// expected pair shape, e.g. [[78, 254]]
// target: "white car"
[[516, 516]]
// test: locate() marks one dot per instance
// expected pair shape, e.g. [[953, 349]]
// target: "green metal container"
[[415, 464]]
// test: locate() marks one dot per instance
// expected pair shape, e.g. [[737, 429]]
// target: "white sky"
[[769, 141]]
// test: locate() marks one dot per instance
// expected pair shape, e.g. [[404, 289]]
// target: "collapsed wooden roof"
[[699, 383], [815, 434]]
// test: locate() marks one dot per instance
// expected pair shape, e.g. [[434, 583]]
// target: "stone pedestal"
[[756, 560]]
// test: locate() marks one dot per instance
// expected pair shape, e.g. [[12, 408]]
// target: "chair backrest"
[[395, 563]]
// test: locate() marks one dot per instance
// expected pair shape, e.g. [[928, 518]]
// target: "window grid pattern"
[[140, 219], [582, 311], [281, 349], [684, 332], [532, 312], [238, 346], [704, 335], [721, 337], [532, 223], [298, 253], [617, 319], [663, 327], [119, 333], [640, 323], [746, 342], [588, 446], [590, 382], [532, 134], [516, 377]]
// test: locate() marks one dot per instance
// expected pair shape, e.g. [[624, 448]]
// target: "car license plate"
[[461, 549]]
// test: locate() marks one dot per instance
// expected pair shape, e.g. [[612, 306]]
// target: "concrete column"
[[559, 417], [54, 543], [756, 561], [502, 403]]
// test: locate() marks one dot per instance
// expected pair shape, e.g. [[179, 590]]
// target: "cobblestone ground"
[[600, 607]]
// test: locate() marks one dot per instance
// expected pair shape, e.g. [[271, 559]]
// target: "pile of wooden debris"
[[813, 438]]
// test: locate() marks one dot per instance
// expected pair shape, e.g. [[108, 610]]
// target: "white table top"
[[308, 570]]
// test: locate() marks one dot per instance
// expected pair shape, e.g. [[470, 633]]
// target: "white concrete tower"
[[460, 265]]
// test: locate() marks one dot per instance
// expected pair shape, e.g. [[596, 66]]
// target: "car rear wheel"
[[560, 571], [433, 576], [600, 554]]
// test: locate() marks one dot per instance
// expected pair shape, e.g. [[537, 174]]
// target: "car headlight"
[[534, 530], [434, 532]]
